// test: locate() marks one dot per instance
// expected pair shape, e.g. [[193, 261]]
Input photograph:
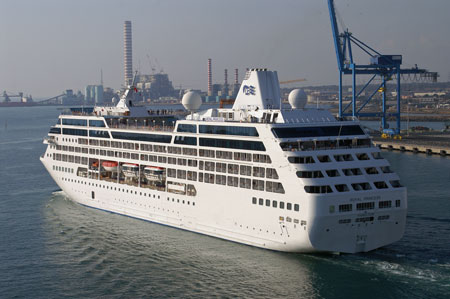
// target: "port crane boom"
[[293, 81], [382, 66]]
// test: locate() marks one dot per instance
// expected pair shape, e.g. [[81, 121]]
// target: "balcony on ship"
[[161, 124], [315, 145]]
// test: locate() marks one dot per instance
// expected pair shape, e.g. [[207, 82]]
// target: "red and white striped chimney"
[[127, 53], [210, 91]]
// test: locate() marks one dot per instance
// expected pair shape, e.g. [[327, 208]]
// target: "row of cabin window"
[[63, 169], [325, 144], [274, 204], [67, 139], [127, 155], [220, 154], [337, 158], [210, 166], [346, 171], [232, 181], [261, 172], [70, 158], [134, 146], [356, 187], [74, 149], [182, 174], [385, 204], [260, 158], [180, 201], [363, 219]]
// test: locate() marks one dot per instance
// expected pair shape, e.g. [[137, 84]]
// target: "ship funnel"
[[260, 89]]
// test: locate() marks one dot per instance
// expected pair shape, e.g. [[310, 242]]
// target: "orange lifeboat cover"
[[109, 163]]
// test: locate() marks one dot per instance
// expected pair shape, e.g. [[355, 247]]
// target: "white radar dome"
[[297, 99], [191, 101]]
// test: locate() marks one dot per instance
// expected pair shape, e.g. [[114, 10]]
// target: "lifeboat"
[[153, 173], [130, 170], [110, 165], [94, 165]]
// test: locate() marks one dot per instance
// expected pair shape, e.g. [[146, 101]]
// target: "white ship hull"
[[215, 214]]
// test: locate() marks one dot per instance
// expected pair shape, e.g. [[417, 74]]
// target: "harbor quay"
[[430, 143]]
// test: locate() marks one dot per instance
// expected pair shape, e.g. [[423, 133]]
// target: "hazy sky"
[[47, 46]]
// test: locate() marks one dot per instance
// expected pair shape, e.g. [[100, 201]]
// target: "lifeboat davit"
[[110, 165]]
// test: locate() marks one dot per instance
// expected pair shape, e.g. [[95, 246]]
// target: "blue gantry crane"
[[384, 67]]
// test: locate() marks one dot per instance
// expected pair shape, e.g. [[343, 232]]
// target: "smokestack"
[[236, 76], [226, 77], [127, 53], [209, 78]]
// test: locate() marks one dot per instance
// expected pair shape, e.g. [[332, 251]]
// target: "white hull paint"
[[216, 216]]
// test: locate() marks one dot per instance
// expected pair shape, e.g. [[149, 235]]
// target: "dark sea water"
[[51, 247]]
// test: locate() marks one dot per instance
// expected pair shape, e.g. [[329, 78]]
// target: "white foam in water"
[[410, 272]]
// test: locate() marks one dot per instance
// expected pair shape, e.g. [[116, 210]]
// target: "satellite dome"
[[191, 101], [297, 99]]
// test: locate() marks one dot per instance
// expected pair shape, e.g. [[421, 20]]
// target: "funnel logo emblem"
[[249, 90]]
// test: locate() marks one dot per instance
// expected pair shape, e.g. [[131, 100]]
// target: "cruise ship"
[[293, 180]]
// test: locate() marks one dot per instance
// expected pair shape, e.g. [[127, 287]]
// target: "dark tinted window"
[[186, 128], [96, 123], [99, 134], [77, 132], [55, 131], [225, 130], [142, 137], [317, 131], [185, 140], [236, 144], [74, 122]]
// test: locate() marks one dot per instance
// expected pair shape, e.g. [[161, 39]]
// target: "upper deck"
[[257, 109]]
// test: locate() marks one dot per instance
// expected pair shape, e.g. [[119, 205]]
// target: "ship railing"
[[150, 127], [77, 113], [314, 145]]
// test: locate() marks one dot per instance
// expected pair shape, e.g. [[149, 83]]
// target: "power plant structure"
[[210, 88], [127, 53], [151, 87], [154, 87], [225, 85], [217, 91]]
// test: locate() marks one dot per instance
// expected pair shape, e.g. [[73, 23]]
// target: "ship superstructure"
[[296, 180]]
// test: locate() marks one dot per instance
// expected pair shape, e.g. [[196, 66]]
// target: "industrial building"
[[156, 86], [93, 94], [217, 91]]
